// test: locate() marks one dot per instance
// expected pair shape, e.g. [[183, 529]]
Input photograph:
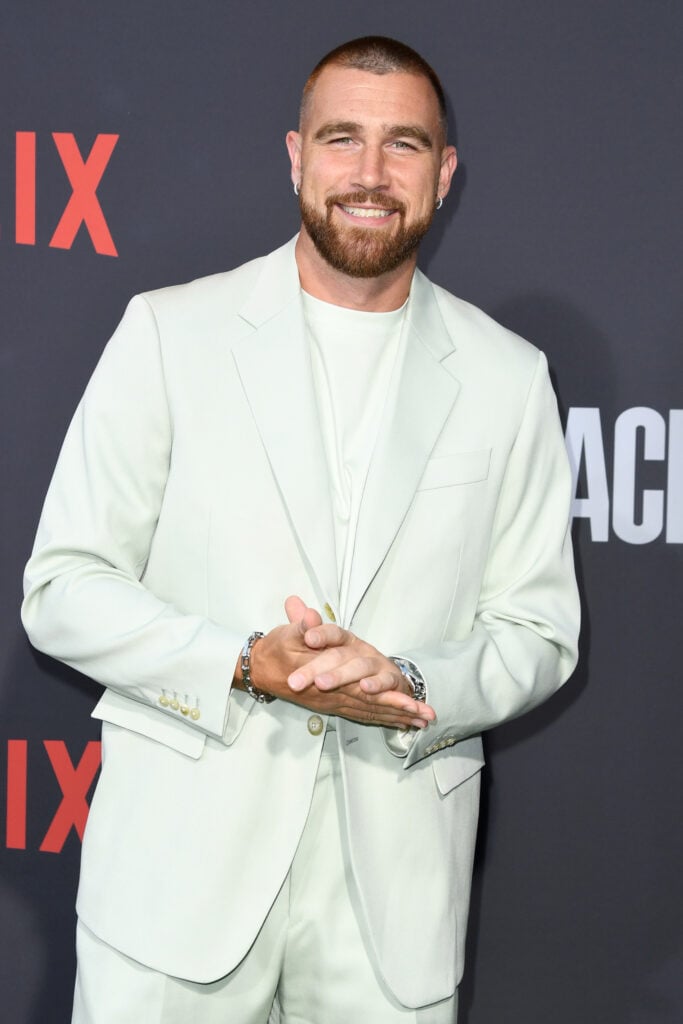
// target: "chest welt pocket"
[[451, 470]]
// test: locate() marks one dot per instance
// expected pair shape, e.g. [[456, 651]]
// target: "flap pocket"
[[147, 721], [461, 468]]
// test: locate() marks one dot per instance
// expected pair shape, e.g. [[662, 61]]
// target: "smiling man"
[[284, 825]]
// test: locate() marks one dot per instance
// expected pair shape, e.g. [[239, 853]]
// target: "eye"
[[341, 140], [401, 145]]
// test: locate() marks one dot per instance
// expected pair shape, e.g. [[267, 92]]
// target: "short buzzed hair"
[[380, 56]]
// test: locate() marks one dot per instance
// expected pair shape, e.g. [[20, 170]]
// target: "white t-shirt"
[[354, 355]]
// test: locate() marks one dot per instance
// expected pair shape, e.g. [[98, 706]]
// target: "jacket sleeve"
[[523, 643], [84, 600]]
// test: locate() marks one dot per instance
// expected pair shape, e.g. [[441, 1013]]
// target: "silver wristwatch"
[[412, 673]]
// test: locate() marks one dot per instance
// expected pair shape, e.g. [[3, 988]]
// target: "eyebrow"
[[392, 131], [337, 128], [409, 131]]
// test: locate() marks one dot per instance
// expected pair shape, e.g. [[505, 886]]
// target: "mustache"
[[381, 200]]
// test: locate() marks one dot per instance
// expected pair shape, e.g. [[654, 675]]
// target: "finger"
[[386, 679], [330, 675], [325, 661], [399, 701], [327, 635], [330, 660], [300, 679], [352, 703], [372, 714]]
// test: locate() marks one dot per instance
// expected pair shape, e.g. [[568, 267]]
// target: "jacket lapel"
[[275, 369], [418, 406]]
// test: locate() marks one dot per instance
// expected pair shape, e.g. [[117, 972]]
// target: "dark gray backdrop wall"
[[563, 225]]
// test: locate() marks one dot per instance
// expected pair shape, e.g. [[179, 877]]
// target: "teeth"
[[364, 211]]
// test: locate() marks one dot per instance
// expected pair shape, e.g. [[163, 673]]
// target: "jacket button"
[[164, 701], [315, 725], [184, 710], [327, 608], [194, 714], [175, 704]]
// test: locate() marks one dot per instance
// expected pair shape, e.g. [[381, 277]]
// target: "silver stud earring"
[[297, 188], [439, 202]]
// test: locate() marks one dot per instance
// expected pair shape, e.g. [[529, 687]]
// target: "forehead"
[[361, 96]]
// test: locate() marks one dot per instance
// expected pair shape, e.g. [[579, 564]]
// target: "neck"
[[371, 294]]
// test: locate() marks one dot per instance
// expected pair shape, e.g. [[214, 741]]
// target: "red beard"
[[358, 251]]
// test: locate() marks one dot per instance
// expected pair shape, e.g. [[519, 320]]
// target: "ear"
[[293, 141], [449, 161]]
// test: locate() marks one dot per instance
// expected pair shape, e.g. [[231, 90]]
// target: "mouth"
[[366, 211], [370, 215]]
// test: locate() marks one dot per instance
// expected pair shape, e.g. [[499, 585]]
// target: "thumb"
[[310, 619], [295, 609], [300, 614]]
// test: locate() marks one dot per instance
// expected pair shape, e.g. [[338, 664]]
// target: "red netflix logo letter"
[[83, 207], [16, 794], [25, 195], [74, 783]]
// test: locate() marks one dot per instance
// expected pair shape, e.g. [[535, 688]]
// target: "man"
[[323, 423]]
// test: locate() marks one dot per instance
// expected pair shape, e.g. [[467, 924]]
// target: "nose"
[[370, 172]]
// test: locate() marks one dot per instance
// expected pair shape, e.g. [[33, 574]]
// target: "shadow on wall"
[[443, 219], [581, 358], [581, 365]]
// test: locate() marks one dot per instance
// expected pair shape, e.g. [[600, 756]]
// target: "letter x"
[[83, 206], [74, 784]]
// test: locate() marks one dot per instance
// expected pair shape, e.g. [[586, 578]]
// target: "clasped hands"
[[330, 670]]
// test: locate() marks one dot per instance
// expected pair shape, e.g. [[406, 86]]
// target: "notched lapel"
[[416, 411], [275, 369]]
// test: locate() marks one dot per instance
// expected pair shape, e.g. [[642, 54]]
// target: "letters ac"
[[638, 514], [84, 175]]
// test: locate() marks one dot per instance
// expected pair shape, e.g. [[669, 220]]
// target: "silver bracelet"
[[245, 665]]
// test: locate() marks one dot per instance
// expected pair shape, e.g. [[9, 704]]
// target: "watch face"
[[414, 677]]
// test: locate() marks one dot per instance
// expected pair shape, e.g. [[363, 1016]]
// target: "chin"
[[362, 252]]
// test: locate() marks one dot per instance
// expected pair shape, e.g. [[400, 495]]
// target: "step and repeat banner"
[[143, 145]]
